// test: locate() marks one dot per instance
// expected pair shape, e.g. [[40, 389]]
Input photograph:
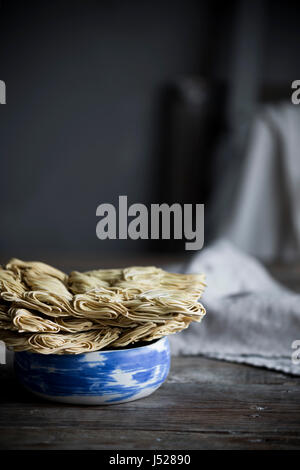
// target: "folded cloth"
[[250, 317], [269, 172]]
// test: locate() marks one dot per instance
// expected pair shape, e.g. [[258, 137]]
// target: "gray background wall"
[[83, 119], [81, 124]]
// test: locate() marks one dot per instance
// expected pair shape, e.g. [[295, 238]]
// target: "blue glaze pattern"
[[101, 377]]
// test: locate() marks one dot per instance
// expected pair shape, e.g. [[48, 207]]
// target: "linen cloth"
[[250, 318], [257, 203]]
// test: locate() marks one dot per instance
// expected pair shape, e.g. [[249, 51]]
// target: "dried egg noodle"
[[46, 311]]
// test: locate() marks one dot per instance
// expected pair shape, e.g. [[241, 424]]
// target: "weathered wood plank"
[[207, 418], [191, 369], [90, 439]]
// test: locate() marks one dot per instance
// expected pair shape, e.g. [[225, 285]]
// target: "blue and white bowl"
[[96, 378]]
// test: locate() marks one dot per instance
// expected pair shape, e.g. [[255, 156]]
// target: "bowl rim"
[[101, 351]]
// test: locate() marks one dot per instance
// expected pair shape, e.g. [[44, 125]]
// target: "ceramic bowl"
[[96, 378]]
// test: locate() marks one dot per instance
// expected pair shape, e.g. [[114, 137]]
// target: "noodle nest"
[[44, 310]]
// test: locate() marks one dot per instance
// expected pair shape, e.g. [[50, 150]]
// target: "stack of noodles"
[[46, 311]]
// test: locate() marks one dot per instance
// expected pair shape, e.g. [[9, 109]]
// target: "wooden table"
[[204, 404]]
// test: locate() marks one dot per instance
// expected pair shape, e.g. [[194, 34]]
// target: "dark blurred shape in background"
[[153, 100]]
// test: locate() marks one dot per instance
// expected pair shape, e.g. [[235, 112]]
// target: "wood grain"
[[204, 404]]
